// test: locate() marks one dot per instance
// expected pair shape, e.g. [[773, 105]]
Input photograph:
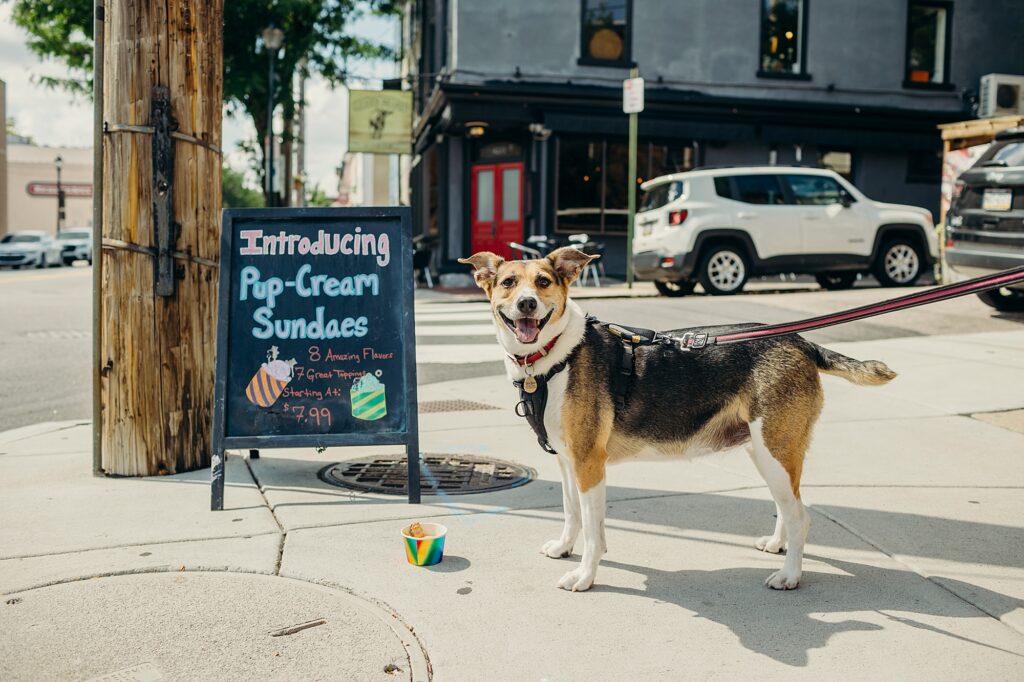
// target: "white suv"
[[720, 226]]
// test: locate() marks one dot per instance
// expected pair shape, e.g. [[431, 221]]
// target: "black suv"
[[985, 223]]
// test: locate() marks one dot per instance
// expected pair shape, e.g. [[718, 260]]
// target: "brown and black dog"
[[764, 393]]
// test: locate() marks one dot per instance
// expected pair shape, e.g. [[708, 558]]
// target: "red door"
[[497, 207]]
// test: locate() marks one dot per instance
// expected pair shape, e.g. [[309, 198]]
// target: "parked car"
[[985, 223], [29, 247], [76, 244], [720, 226]]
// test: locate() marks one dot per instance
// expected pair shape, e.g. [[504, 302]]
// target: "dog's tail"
[[867, 373]]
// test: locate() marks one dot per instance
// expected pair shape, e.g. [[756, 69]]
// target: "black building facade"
[[519, 127]]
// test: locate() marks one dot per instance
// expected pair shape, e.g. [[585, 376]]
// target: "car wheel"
[[42, 261], [899, 264], [674, 289], [1005, 300], [68, 260], [834, 281], [724, 270]]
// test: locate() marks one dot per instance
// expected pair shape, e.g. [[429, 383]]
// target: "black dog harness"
[[532, 403]]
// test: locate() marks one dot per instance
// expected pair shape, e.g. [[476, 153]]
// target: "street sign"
[[315, 336], [633, 95], [49, 189], [380, 121]]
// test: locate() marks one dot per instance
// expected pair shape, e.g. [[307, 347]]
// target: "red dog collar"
[[534, 357]]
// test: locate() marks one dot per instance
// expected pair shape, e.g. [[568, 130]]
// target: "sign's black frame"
[[221, 441]]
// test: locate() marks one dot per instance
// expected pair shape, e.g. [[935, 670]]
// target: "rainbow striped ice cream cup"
[[428, 550]]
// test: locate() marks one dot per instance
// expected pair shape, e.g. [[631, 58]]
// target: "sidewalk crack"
[[280, 528]]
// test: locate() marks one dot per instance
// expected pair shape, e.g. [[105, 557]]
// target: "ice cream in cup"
[[266, 385], [369, 400], [424, 543]]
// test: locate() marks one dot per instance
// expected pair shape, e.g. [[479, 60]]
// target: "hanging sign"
[[380, 121]]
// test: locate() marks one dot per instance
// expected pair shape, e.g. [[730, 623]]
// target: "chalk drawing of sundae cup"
[[369, 401], [270, 379]]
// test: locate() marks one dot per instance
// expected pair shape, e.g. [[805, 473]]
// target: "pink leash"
[[971, 286]]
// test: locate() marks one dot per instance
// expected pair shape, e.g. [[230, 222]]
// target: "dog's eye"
[[508, 282], [543, 282]]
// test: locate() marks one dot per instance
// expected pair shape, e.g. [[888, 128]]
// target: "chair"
[[421, 262], [525, 252], [582, 242]]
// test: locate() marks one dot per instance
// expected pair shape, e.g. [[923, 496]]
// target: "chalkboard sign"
[[315, 334]]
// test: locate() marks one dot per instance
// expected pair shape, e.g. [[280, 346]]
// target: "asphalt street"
[[46, 341]]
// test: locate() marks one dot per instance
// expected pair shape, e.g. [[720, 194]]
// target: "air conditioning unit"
[[1001, 95]]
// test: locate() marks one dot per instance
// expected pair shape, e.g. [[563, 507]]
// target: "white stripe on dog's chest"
[[553, 412]]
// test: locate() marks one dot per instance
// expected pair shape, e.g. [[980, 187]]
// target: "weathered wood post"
[[162, 90]]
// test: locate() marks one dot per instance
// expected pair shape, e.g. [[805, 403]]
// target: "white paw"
[[577, 580], [556, 549], [770, 543], [782, 580]]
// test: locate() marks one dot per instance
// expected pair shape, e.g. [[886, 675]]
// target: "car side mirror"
[[845, 199]]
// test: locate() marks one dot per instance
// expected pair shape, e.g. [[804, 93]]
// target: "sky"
[[55, 118]]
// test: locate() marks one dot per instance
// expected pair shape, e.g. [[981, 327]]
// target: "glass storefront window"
[[592, 182]]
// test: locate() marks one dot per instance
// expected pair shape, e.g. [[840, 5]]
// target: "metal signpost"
[[632, 104]]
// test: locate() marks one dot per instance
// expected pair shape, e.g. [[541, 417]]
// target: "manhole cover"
[[439, 474], [453, 406]]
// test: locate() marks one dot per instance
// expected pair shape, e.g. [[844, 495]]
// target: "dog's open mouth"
[[526, 329]]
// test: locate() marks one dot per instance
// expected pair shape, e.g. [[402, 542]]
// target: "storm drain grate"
[[439, 474], [453, 406]]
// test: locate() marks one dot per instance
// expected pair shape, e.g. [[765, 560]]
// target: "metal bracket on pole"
[[165, 230]]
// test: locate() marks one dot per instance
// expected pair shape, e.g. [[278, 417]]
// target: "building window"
[[783, 39], [924, 168], [840, 162], [929, 26], [606, 32], [591, 180]]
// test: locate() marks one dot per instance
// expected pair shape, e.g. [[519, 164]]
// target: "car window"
[[76, 234], [758, 189], [723, 188], [814, 190], [660, 195], [1010, 154], [20, 239]]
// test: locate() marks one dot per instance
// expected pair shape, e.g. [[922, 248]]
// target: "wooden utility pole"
[[162, 91]]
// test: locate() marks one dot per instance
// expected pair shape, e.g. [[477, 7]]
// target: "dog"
[[764, 393]]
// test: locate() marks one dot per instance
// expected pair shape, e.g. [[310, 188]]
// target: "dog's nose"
[[527, 305]]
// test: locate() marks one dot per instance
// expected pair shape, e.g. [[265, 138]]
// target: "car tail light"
[[677, 217], [668, 261], [958, 188]]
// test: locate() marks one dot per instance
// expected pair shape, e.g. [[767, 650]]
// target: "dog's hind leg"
[[562, 547], [779, 461], [774, 543]]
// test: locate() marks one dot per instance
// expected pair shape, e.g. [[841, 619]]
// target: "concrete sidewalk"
[[914, 568]]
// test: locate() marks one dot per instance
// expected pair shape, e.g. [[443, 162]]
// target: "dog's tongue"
[[527, 330]]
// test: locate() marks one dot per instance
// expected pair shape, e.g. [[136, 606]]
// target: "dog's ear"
[[569, 261], [485, 268]]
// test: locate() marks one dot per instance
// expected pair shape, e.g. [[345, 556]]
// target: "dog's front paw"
[[783, 580], [770, 543], [556, 549], [577, 580]]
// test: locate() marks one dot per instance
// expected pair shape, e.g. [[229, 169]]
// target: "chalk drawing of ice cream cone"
[[369, 401], [270, 379]]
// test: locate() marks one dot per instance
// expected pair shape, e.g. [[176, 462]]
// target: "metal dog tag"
[[530, 384]]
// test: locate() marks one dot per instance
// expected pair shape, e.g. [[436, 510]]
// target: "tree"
[[235, 193], [314, 29]]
